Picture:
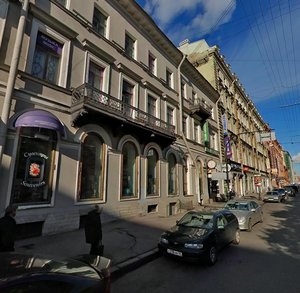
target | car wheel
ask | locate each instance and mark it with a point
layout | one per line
(249, 225)
(237, 237)
(212, 256)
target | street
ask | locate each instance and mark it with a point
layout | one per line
(267, 260)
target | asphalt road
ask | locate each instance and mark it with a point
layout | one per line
(267, 260)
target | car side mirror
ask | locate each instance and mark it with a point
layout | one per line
(253, 210)
(221, 227)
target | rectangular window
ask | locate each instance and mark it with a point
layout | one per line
(184, 125)
(129, 46)
(183, 89)
(170, 115)
(151, 106)
(169, 78)
(196, 132)
(46, 58)
(95, 78)
(152, 63)
(127, 98)
(100, 22)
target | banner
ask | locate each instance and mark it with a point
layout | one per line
(227, 147)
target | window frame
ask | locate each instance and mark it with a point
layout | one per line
(106, 75)
(136, 174)
(133, 41)
(66, 44)
(152, 63)
(105, 15)
(102, 187)
(169, 78)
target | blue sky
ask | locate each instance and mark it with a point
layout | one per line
(260, 41)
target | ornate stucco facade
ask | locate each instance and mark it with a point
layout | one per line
(103, 109)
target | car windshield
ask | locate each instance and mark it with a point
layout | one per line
(241, 206)
(197, 221)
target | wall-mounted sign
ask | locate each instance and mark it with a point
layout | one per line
(227, 147)
(211, 164)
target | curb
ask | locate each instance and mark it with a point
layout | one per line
(131, 264)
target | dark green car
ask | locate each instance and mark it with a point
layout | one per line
(200, 235)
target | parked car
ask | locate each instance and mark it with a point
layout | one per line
(282, 191)
(290, 190)
(273, 196)
(199, 235)
(248, 212)
(32, 273)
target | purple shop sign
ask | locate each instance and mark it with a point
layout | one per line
(48, 43)
(227, 147)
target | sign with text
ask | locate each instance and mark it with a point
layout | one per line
(265, 136)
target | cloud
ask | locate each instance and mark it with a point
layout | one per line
(202, 15)
(296, 158)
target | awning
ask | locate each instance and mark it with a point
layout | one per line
(40, 119)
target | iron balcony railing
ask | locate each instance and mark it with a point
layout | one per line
(200, 107)
(90, 96)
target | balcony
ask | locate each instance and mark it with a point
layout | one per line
(201, 109)
(88, 100)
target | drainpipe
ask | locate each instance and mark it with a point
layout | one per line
(12, 75)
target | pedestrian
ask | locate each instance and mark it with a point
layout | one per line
(93, 231)
(8, 227)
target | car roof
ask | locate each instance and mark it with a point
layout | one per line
(15, 264)
(239, 200)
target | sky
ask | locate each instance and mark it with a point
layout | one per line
(259, 40)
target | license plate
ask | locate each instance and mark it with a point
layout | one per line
(174, 252)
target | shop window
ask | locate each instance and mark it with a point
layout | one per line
(91, 165)
(34, 166)
(129, 171)
(46, 59)
(152, 173)
(172, 174)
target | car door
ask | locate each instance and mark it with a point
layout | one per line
(255, 213)
(221, 231)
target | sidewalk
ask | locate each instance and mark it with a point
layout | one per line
(128, 243)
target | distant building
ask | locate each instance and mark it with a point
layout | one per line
(239, 121)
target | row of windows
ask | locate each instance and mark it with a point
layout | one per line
(33, 179)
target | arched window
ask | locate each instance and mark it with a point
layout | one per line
(129, 170)
(172, 174)
(34, 166)
(91, 179)
(185, 176)
(200, 177)
(152, 172)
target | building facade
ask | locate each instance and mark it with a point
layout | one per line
(244, 155)
(102, 109)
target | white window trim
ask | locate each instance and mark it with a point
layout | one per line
(172, 77)
(3, 15)
(134, 45)
(155, 62)
(63, 69)
(107, 32)
(91, 58)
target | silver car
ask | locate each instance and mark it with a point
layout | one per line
(273, 196)
(248, 212)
